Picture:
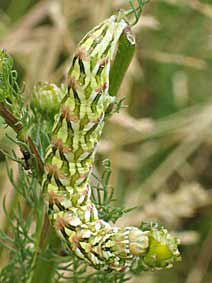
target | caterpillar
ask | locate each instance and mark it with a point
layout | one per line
(69, 158)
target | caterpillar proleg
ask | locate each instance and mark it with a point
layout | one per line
(69, 159)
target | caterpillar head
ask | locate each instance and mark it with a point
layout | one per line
(130, 242)
(138, 242)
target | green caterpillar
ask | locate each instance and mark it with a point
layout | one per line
(70, 157)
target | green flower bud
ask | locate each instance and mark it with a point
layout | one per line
(46, 98)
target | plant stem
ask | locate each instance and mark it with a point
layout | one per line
(10, 119)
(44, 267)
(17, 126)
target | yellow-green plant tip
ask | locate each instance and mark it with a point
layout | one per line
(163, 249)
(6, 65)
(3, 57)
(10, 92)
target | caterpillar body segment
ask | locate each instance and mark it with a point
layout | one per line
(77, 129)
(79, 124)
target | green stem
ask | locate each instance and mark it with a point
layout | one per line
(44, 265)
(10, 211)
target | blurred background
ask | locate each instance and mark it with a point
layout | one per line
(160, 144)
